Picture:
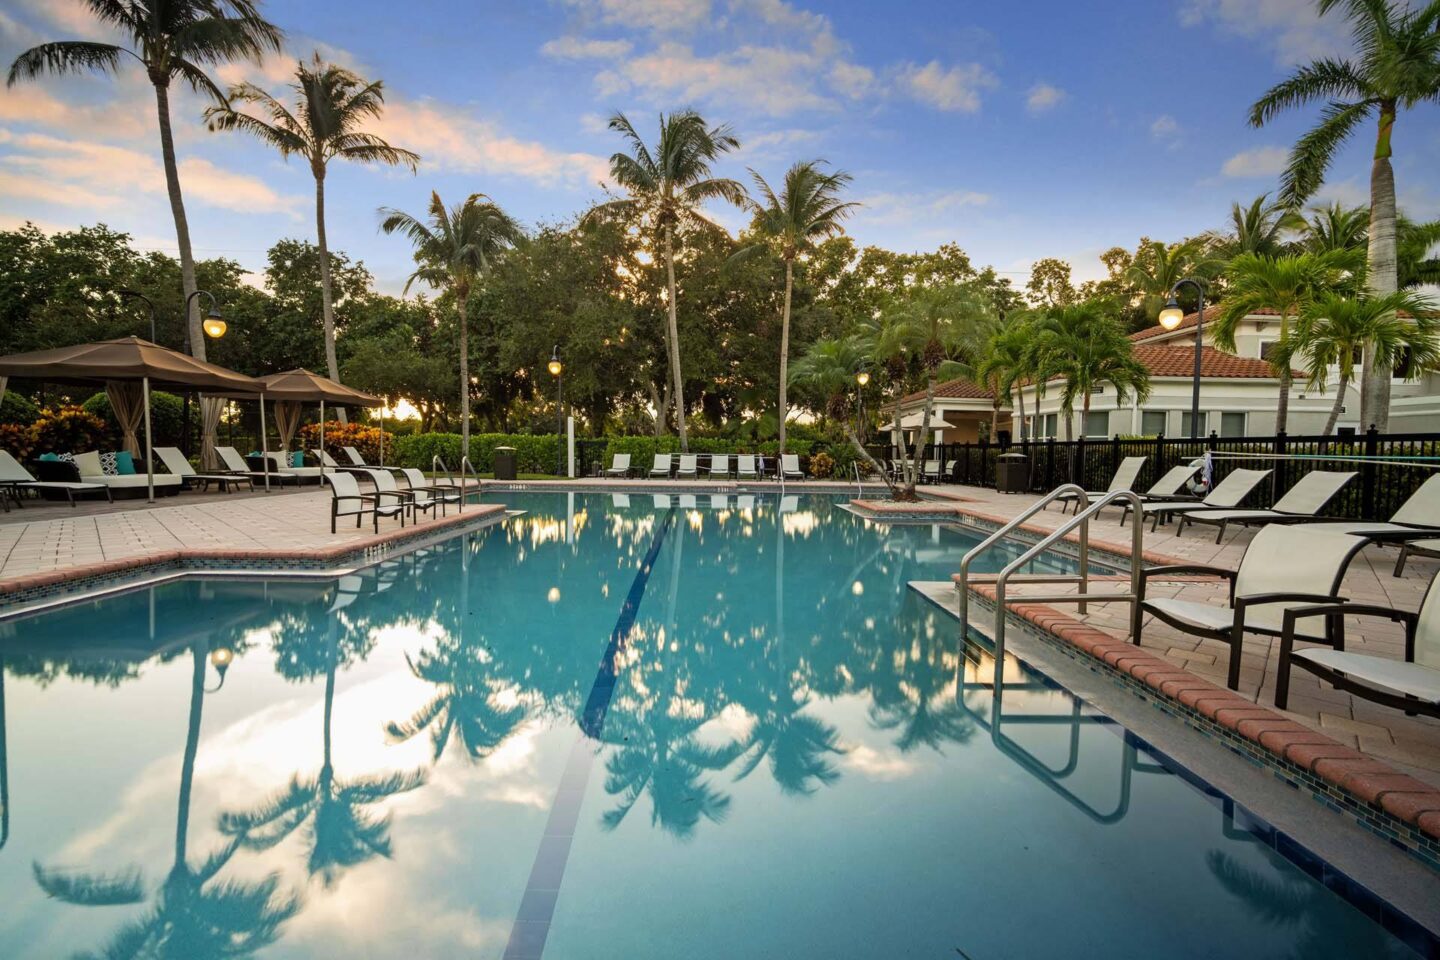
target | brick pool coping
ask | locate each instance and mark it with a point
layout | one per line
(19, 592)
(1394, 805)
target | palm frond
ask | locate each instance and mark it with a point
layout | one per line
(1311, 156)
(1325, 79)
(65, 56)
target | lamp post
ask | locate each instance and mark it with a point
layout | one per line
(214, 326)
(862, 380)
(557, 370)
(148, 302)
(1170, 318)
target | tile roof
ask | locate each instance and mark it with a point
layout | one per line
(1167, 361)
(1212, 313)
(960, 389)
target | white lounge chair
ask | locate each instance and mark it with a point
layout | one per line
(1169, 487)
(689, 466)
(661, 466)
(619, 466)
(384, 482)
(1424, 548)
(1417, 518)
(234, 463)
(745, 468)
(1124, 479)
(135, 484)
(1284, 567)
(1228, 493)
(1411, 685)
(1300, 503)
(176, 463)
(719, 466)
(279, 462)
(346, 490)
(790, 466)
(14, 478)
(930, 472)
(426, 493)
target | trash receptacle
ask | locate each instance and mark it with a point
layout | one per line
(1012, 473)
(504, 463)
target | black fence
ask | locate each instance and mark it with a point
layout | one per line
(1389, 467)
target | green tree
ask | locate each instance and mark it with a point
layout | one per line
(1258, 228)
(1396, 67)
(1085, 347)
(1287, 285)
(1049, 284)
(331, 105)
(826, 375)
(454, 250)
(1157, 267)
(1333, 329)
(1007, 361)
(1336, 227)
(174, 39)
(666, 188)
(807, 209)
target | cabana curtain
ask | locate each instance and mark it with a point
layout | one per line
(210, 410)
(287, 422)
(127, 401)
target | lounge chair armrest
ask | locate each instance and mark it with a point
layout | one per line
(1349, 610)
(1186, 569)
(1255, 599)
(400, 495)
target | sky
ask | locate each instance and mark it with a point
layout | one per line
(1019, 130)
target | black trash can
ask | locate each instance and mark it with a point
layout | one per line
(1012, 473)
(504, 463)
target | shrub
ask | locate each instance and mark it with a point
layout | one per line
(822, 465)
(418, 449)
(167, 418)
(357, 435)
(18, 440)
(18, 409)
(68, 430)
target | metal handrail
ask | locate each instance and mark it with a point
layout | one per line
(466, 467)
(963, 579)
(1082, 520)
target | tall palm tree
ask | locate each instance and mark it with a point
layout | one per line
(1003, 362)
(1286, 285)
(454, 250)
(1258, 227)
(1414, 266)
(1158, 266)
(1396, 66)
(826, 374)
(170, 39)
(666, 188)
(331, 104)
(1085, 348)
(1336, 227)
(1333, 329)
(806, 210)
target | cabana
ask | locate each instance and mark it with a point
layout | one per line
(128, 368)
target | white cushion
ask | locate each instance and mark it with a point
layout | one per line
(1210, 616)
(131, 480)
(1397, 676)
(89, 464)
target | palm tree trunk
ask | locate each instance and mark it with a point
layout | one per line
(182, 226)
(1340, 389)
(1381, 277)
(674, 329)
(1282, 404)
(464, 299)
(192, 746)
(785, 350)
(1024, 430)
(327, 295)
(865, 455)
(912, 470)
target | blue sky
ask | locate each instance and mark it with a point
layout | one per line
(1018, 130)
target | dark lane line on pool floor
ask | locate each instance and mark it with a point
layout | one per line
(542, 890)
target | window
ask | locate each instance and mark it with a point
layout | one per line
(1052, 421)
(1097, 423)
(1152, 423)
(1185, 424)
(1266, 348)
(1403, 365)
(1232, 424)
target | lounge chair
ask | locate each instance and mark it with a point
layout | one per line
(14, 478)
(661, 466)
(689, 466)
(1417, 518)
(235, 464)
(1169, 487)
(90, 468)
(346, 490)
(745, 468)
(1284, 567)
(1411, 685)
(1228, 493)
(790, 467)
(719, 466)
(1124, 479)
(619, 466)
(384, 482)
(1299, 504)
(176, 463)
(1424, 548)
(301, 474)
(930, 472)
(425, 491)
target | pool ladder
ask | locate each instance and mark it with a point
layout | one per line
(1081, 521)
(437, 466)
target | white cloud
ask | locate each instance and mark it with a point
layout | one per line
(909, 208)
(1166, 129)
(1291, 27)
(577, 48)
(1044, 97)
(851, 79)
(957, 88)
(774, 80)
(1260, 162)
(661, 16)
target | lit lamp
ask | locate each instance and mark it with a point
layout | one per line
(863, 378)
(214, 325)
(220, 659)
(1172, 316)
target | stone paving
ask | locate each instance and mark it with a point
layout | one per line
(1411, 744)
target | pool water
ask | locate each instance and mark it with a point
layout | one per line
(610, 727)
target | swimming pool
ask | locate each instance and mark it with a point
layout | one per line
(610, 727)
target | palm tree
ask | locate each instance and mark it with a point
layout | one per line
(465, 704)
(1336, 227)
(454, 250)
(826, 374)
(806, 210)
(1157, 267)
(1286, 285)
(173, 39)
(1396, 67)
(1084, 347)
(1258, 228)
(1333, 329)
(331, 103)
(1006, 361)
(666, 187)
(1414, 266)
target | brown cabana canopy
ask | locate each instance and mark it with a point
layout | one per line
(119, 364)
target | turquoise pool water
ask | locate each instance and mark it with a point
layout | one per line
(604, 729)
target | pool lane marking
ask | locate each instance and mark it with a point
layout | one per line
(542, 890)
